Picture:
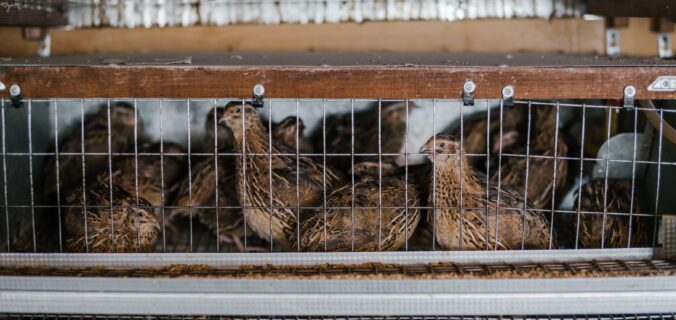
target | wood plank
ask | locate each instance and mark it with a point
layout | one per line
(11, 15)
(418, 82)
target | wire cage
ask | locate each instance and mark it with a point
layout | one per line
(323, 176)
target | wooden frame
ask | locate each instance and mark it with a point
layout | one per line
(343, 79)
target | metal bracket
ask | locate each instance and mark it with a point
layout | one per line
(663, 83)
(15, 96)
(2, 86)
(258, 95)
(664, 45)
(629, 97)
(468, 93)
(612, 42)
(508, 97)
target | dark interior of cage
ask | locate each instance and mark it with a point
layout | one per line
(153, 177)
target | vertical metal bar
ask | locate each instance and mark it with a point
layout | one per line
(633, 178)
(323, 163)
(110, 178)
(525, 185)
(216, 177)
(556, 150)
(659, 167)
(352, 166)
(84, 184)
(497, 205)
(462, 174)
(187, 108)
(138, 223)
(605, 183)
(270, 169)
(298, 185)
(380, 173)
(57, 172)
(244, 148)
(488, 174)
(4, 176)
(162, 195)
(406, 178)
(434, 174)
(579, 190)
(30, 171)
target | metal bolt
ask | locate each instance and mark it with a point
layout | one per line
(630, 91)
(469, 86)
(258, 91)
(14, 91)
(508, 91)
(665, 83)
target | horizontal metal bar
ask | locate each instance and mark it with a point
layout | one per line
(158, 260)
(337, 297)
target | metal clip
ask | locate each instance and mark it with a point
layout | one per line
(508, 97)
(258, 95)
(629, 97)
(15, 96)
(612, 42)
(468, 93)
(664, 45)
(2, 86)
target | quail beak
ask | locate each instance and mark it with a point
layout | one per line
(225, 118)
(426, 149)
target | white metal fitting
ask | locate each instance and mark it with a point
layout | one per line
(629, 96)
(15, 91)
(508, 96)
(258, 91)
(468, 93)
(2, 86)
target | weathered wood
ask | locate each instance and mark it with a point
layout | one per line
(417, 82)
(12, 15)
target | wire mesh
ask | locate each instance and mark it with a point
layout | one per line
(441, 317)
(340, 176)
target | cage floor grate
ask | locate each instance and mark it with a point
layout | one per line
(373, 270)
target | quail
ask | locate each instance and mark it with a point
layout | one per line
(117, 226)
(381, 220)
(339, 130)
(96, 135)
(471, 225)
(614, 231)
(290, 128)
(541, 181)
(271, 210)
(164, 165)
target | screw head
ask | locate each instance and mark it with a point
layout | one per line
(665, 83)
(469, 86)
(630, 91)
(508, 91)
(15, 90)
(258, 90)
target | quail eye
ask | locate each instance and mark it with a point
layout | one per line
(238, 110)
(442, 145)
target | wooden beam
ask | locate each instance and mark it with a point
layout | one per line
(343, 82)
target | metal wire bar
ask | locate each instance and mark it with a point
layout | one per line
(110, 176)
(270, 169)
(605, 184)
(4, 176)
(244, 183)
(380, 174)
(190, 204)
(488, 177)
(434, 175)
(84, 184)
(30, 172)
(138, 223)
(406, 179)
(659, 167)
(297, 180)
(323, 166)
(162, 184)
(497, 205)
(579, 192)
(556, 149)
(216, 177)
(352, 172)
(525, 185)
(633, 180)
(57, 173)
(462, 173)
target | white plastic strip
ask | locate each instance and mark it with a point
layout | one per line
(337, 297)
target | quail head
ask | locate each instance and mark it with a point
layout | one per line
(468, 215)
(290, 129)
(271, 210)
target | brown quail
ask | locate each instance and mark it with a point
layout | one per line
(465, 226)
(615, 231)
(122, 228)
(286, 131)
(253, 176)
